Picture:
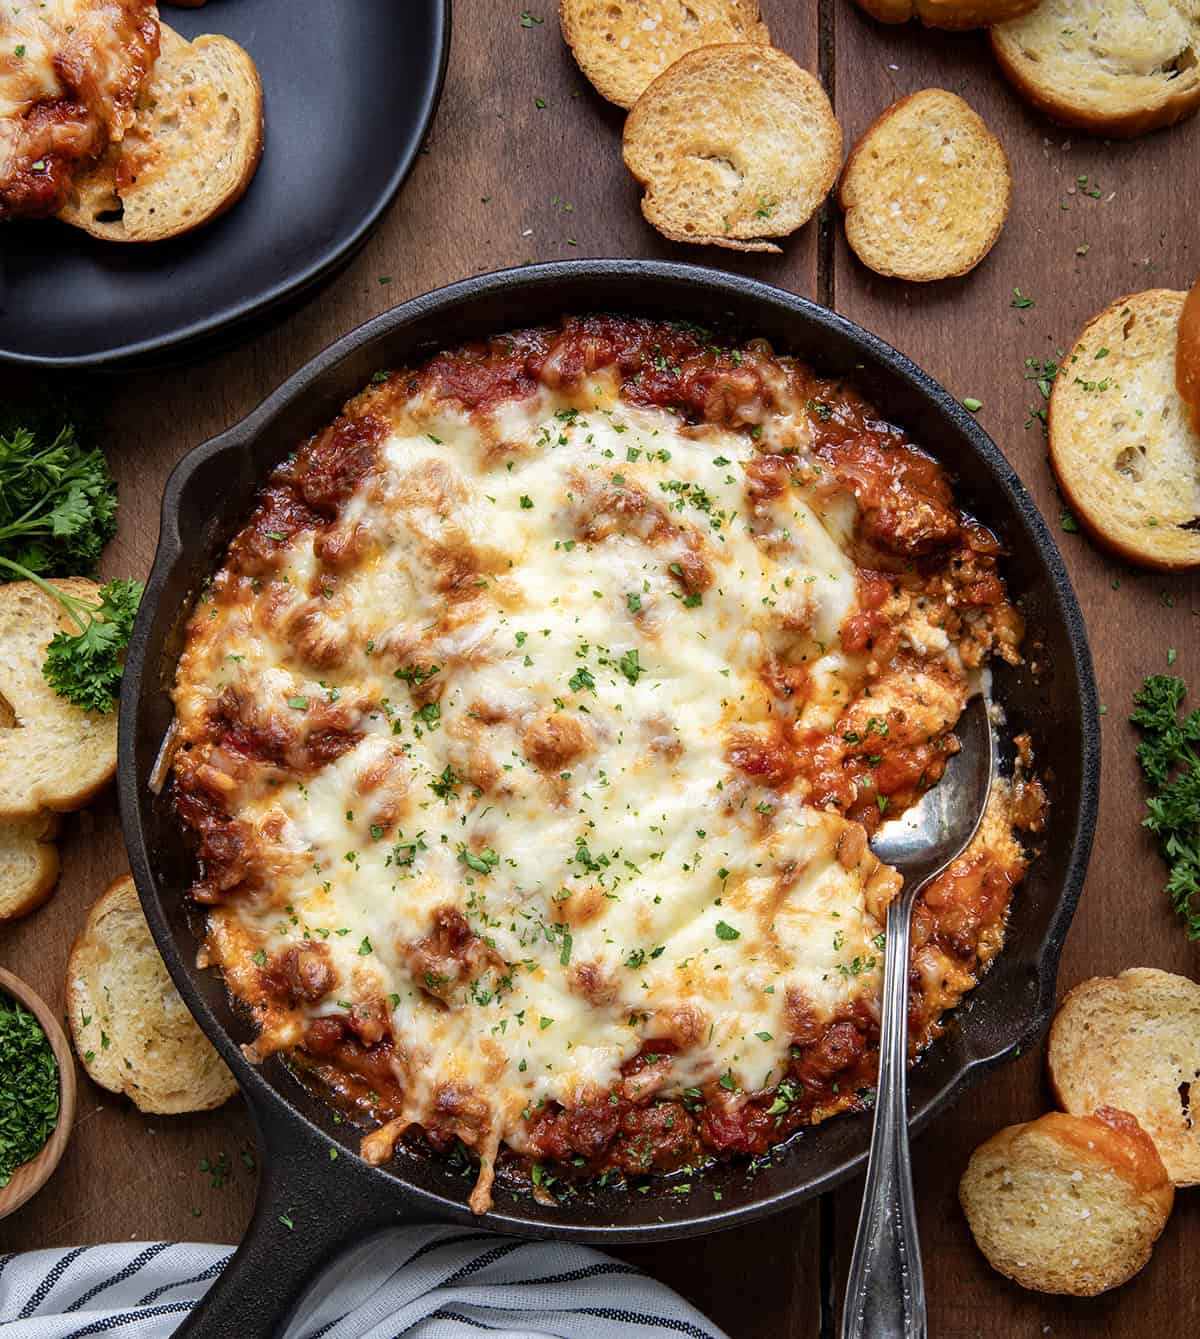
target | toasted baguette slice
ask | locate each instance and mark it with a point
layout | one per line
(926, 189)
(1133, 1041)
(622, 46)
(947, 13)
(1187, 354)
(190, 154)
(28, 864)
(1122, 443)
(1117, 68)
(56, 756)
(132, 1032)
(1067, 1204)
(733, 144)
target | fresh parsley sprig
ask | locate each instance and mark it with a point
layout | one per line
(58, 509)
(86, 666)
(1169, 755)
(58, 503)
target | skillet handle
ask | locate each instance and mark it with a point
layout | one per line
(310, 1208)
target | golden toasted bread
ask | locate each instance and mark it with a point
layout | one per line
(1068, 1204)
(190, 154)
(1133, 1041)
(926, 189)
(947, 13)
(28, 864)
(1117, 68)
(53, 756)
(132, 1032)
(622, 46)
(1122, 442)
(734, 145)
(1187, 354)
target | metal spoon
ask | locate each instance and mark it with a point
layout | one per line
(885, 1295)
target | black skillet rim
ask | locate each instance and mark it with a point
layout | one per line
(268, 1104)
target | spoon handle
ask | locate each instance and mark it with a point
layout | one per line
(885, 1296)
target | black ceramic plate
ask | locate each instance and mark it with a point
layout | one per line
(349, 89)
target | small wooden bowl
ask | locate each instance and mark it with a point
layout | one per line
(31, 1176)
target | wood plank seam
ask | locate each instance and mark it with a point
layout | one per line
(827, 72)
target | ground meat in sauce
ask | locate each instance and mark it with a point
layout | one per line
(912, 544)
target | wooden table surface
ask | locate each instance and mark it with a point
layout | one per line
(506, 180)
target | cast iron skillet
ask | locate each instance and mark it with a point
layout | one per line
(349, 90)
(309, 1204)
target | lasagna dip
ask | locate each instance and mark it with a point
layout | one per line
(70, 73)
(533, 732)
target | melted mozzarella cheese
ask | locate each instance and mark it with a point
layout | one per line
(530, 584)
(39, 40)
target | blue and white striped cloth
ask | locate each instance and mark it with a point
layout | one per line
(417, 1282)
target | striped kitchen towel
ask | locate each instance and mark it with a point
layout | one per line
(416, 1282)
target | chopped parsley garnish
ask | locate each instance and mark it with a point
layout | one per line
(28, 1088)
(365, 947)
(633, 602)
(857, 966)
(483, 863)
(429, 714)
(584, 857)
(785, 1095)
(1169, 755)
(630, 666)
(526, 502)
(417, 674)
(298, 703)
(726, 931)
(1020, 300)
(444, 786)
(1042, 372)
(405, 852)
(582, 679)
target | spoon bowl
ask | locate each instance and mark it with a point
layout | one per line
(930, 834)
